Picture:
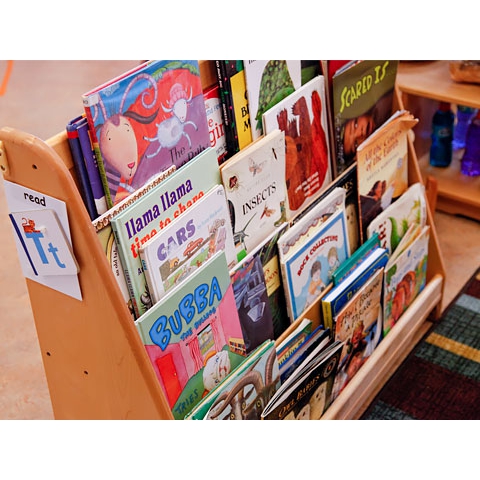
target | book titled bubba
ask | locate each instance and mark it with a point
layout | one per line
(135, 225)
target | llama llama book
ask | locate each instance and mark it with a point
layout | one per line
(256, 192)
(269, 81)
(144, 121)
(382, 166)
(193, 336)
(180, 248)
(307, 271)
(359, 326)
(148, 214)
(362, 92)
(302, 116)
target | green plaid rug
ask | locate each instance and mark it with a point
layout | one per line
(440, 379)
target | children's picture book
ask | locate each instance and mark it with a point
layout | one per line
(405, 278)
(307, 271)
(394, 221)
(233, 94)
(193, 336)
(306, 394)
(302, 116)
(216, 126)
(292, 341)
(31, 236)
(183, 245)
(80, 168)
(362, 92)
(146, 215)
(338, 296)
(359, 326)
(144, 121)
(248, 389)
(256, 192)
(251, 297)
(269, 81)
(382, 166)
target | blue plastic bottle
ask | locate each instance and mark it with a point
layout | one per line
(470, 164)
(464, 117)
(442, 136)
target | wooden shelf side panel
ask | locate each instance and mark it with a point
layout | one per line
(95, 364)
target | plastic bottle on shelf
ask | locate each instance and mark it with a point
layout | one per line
(442, 136)
(470, 164)
(464, 117)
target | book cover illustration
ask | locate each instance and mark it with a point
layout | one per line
(193, 336)
(362, 101)
(308, 224)
(394, 221)
(359, 326)
(306, 394)
(182, 246)
(253, 306)
(256, 191)
(216, 126)
(307, 272)
(339, 295)
(23, 199)
(269, 81)
(293, 341)
(302, 116)
(145, 121)
(249, 388)
(382, 166)
(405, 278)
(147, 214)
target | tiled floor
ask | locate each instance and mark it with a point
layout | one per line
(40, 98)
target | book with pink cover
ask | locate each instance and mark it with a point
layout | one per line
(193, 336)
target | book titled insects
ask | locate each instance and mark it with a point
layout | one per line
(254, 180)
(193, 336)
(144, 121)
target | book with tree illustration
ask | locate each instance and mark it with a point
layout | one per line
(306, 394)
(405, 276)
(359, 326)
(216, 125)
(392, 224)
(193, 335)
(148, 214)
(382, 166)
(269, 81)
(233, 95)
(339, 295)
(362, 100)
(183, 245)
(302, 116)
(256, 191)
(307, 270)
(144, 121)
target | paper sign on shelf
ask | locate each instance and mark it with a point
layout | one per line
(43, 240)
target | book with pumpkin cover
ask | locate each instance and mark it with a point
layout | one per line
(382, 166)
(148, 214)
(359, 326)
(302, 116)
(182, 246)
(193, 335)
(362, 100)
(144, 121)
(270, 81)
(256, 192)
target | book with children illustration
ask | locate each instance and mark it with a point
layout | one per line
(144, 121)
(193, 335)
